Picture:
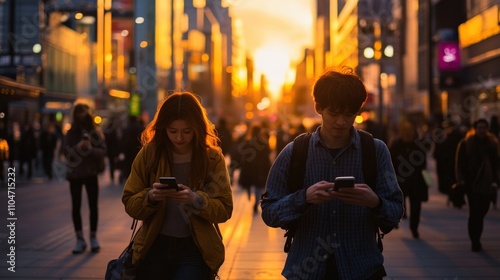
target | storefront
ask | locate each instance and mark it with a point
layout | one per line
(480, 43)
(19, 102)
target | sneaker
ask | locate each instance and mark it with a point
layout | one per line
(80, 246)
(94, 245)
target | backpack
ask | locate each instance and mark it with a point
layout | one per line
(297, 170)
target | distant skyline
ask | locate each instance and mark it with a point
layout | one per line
(276, 32)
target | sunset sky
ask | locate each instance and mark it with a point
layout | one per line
(276, 33)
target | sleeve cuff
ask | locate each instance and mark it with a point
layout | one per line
(151, 202)
(379, 205)
(300, 200)
(199, 202)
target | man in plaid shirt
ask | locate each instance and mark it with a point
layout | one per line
(336, 236)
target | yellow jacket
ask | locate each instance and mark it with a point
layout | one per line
(217, 206)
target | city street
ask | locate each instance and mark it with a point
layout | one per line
(44, 238)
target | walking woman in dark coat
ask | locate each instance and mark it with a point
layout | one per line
(84, 149)
(409, 160)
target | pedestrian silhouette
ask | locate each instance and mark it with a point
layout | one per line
(225, 135)
(444, 155)
(27, 150)
(130, 145)
(84, 149)
(255, 162)
(409, 160)
(48, 143)
(4, 150)
(111, 134)
(477, 170)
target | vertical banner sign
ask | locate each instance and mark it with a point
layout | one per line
(135, 105)
(449, 56)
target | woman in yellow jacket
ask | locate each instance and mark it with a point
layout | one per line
(179, 237)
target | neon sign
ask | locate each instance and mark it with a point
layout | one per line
(449, 56)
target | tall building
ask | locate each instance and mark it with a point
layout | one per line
(21, 80)
(479, 43)
(183, 45)
(45, 57)
(322, 35)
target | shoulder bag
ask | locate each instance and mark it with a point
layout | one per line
(122, 267)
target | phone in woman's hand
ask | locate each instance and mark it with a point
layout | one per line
(170, 182)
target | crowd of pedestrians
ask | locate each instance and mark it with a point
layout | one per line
(35, 150)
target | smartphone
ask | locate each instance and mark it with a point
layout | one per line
(344, 182)
(170, 182)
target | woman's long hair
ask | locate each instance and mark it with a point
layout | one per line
(181, 106)
(83, 118)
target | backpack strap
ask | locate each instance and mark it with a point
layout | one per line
(369, 161)
(296, 175)
(297, 167)
(369, 164)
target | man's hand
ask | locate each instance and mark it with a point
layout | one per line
(319, 192)
(361, 194)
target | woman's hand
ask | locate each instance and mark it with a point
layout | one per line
(84, 145)
(184, 196)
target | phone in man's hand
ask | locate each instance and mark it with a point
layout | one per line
(344, 182)
(170, 183)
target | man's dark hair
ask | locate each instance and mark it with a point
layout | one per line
(339, 91)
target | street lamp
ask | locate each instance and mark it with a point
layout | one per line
(378, 53)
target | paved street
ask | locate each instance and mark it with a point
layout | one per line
(44, 239)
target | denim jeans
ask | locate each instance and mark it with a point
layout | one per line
(172, 258)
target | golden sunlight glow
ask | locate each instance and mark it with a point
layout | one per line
(273, 61)
(290, 78)
(264, 104)
(277, 41)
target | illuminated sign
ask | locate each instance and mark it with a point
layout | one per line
(480, 27)
(135, 105)
(448, 56)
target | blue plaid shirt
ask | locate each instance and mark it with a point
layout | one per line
(347, 231)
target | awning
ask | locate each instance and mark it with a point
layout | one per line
(53, 102)
(13, 90)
